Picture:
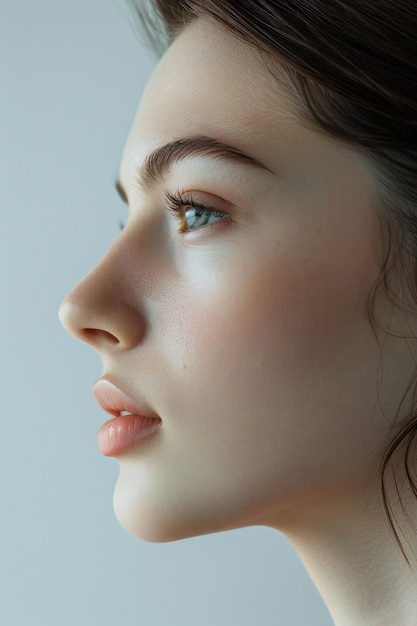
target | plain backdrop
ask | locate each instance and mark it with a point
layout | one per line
(71, 75)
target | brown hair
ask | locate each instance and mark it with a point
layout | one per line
(349, 68)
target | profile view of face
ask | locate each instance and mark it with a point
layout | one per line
(238, 319)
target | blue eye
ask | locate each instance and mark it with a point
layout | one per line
(196, 217)
(193, 215)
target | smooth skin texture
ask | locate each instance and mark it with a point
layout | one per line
(248, 336)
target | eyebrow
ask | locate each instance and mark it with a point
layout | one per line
(158, 163)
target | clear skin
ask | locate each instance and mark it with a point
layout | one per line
(249, 337)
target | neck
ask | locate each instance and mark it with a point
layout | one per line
(352, 557)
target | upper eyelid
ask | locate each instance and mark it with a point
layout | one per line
(211, 200)
(179, 201)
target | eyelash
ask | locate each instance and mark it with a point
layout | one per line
(177, 204)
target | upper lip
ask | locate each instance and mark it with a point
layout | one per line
(113, 400)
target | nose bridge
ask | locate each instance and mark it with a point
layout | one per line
(106, 309)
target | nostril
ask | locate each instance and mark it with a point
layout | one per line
(94, 335)
(101, 320)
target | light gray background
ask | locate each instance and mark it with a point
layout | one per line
(71, 75)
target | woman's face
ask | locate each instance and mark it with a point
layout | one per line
(244, 329)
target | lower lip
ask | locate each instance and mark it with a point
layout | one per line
(120, 434)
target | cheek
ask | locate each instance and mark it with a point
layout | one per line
(286, 337)
(306, 297)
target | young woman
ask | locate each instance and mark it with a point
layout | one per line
(256, 318)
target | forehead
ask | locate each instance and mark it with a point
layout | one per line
(209, 82)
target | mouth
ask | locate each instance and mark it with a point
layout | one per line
(132, 421)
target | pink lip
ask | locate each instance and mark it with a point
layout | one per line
(122, 432)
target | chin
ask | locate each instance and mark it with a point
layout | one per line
(146, 525)
(153, 517)
(163, 515)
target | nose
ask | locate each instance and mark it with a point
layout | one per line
(105, 309)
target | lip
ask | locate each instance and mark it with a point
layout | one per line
(121, 433)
